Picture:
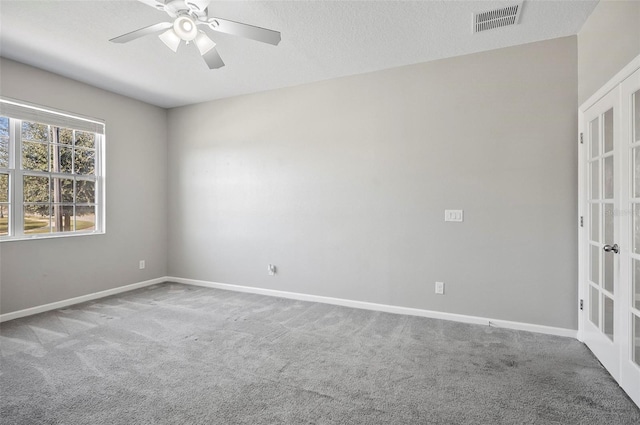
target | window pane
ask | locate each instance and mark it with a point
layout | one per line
(62, 219)
(85, 192)
(61, 159)
(62, 135)
(35, 156)
(4, 187)
(4, 219)
(4, 126)
(85, 161)
(85, 140)
(595, 138)
(36, 189)
(53, 173)
(4, 152)
(36, 218)
(608, 130)
(35, 131)
(85, 218)
(61, 190)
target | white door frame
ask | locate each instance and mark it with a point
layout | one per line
(583, 252)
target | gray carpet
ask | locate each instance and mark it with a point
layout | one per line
(176, 354)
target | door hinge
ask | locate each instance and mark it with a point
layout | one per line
(581, 138)
(581, 305)
(581, 221)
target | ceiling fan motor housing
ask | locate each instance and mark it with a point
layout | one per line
(176, 8)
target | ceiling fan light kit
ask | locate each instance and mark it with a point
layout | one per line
(190, 14)
(171, 39)
(185, 27)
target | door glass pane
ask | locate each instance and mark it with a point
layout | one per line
(636, 114)
(595, 222)
(595, 264)
(608, 223)
(595, 139)
(636, 173)
(636, 284)
(594, 310)
(607, 316)
(636, 338)
(608, 177)
(636, 228)
(608, 258)
(608, 130)
(595, 177)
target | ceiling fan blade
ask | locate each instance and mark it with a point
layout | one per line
(156, 4)
(243, 30)
(199, 5)
(151, 29)
(213, 59)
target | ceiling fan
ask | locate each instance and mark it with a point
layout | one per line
(189, 16)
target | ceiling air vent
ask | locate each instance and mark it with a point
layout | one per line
(497, 18)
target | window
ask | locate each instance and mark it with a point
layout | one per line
(51, 179)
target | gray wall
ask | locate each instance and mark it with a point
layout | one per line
(37, 272)
(343, 185)
(609, 40)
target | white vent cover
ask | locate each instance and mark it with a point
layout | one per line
(497, 18)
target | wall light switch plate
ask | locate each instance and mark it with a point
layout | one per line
(440, 288)
(453, 215)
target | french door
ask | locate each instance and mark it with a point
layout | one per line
(610, 232)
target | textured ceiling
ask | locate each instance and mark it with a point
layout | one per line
(320, 40)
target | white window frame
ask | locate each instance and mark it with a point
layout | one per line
(15, 110)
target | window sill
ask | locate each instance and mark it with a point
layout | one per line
(48, 236)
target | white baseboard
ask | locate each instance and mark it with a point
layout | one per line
(78, 300)
(549, 330)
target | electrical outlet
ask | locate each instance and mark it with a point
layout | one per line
(271, 269)
(440, 288)
(142, 265)
(454, 215)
